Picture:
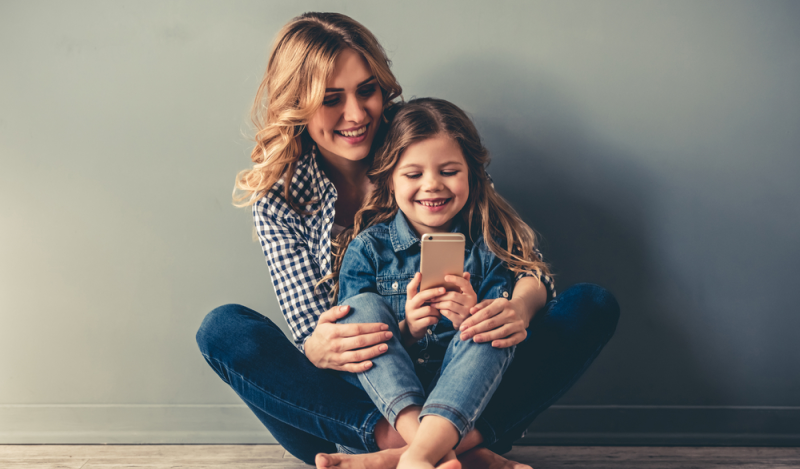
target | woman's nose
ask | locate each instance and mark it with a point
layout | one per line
(353, 110)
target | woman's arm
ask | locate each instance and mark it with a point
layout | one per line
(309, 314)
(504, 322)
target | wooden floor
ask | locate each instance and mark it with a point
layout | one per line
(273, 456)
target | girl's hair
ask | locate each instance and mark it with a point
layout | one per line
(300, 63)
(485, 212)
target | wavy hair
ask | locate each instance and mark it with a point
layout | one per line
(293, 88)
(485, 212)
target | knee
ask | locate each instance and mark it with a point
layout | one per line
(226, 327)
(368, 307)
(590, 307)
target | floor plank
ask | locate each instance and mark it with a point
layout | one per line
(275, 457)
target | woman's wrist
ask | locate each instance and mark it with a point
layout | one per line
(528, 297)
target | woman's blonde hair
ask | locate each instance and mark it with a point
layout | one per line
(485, 212)
(300, 63)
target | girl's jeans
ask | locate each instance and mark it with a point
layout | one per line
(309, 410)
(465, 379)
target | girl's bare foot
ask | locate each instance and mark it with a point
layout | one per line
(483, 458)
(386, 459)
(413, 463)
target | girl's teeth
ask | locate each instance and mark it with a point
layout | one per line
(431, 204)
(354, 133)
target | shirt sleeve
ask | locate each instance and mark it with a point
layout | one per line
(358, 271)
(547, 280)
(293, 269)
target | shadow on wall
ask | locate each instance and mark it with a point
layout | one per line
(591, 203)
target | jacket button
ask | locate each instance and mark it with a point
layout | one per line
(505, 294)
(419, 360)
(430, 331)
(395, 285)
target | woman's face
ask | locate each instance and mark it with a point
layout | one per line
(431, 184)
(345, 125)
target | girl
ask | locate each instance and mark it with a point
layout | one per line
(319, 113)
(429, 178)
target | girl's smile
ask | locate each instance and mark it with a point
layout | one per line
(431, 183)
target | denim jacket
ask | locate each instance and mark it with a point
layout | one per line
(385, 257)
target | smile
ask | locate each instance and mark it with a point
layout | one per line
(433, 202)
(352, 133)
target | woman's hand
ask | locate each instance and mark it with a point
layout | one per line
(345, 347)
(501, 321)
(419, 317)
(456, 306)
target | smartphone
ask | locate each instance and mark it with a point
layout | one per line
(442, 254)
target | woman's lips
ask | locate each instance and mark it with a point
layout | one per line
(354, 136)
(434, 205)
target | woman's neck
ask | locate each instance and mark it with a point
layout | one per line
(351, 182)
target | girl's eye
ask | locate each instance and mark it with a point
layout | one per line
(332, 101)
(449, 173)
(413, 175)
(367, 91)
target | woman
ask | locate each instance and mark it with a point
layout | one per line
(319, 112)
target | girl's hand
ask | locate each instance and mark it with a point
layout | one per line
(501, 322)
(456, 306)
(419, 317)
(345, 347)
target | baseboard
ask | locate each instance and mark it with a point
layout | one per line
(131, 424)
(666, 426)
(559, 425)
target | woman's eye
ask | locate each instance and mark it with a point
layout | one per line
(367, 91)
(333, 101)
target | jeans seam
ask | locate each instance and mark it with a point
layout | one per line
(356, 429)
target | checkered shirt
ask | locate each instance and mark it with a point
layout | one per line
(298, 246)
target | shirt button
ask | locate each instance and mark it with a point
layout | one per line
(327, 219)
(420, 360)
(395, 285)
(324, 261)
(505, 294)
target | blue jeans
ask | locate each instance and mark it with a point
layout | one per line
(469, 374)
(309, 410)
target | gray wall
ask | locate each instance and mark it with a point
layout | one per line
(653, 145)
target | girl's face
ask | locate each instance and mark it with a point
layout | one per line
(345, 125)
(431, 184)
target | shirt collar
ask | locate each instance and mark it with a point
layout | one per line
(321, 181)
(403, 236)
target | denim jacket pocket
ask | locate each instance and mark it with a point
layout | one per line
(393, 288)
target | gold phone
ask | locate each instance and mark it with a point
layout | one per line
(442, 254)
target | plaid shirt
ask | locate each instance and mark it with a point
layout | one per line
(298, 247)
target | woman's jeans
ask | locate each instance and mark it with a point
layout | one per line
(309, 410)
(466, 378)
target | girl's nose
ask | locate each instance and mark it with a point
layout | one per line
(431, 183)
(353, 110)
